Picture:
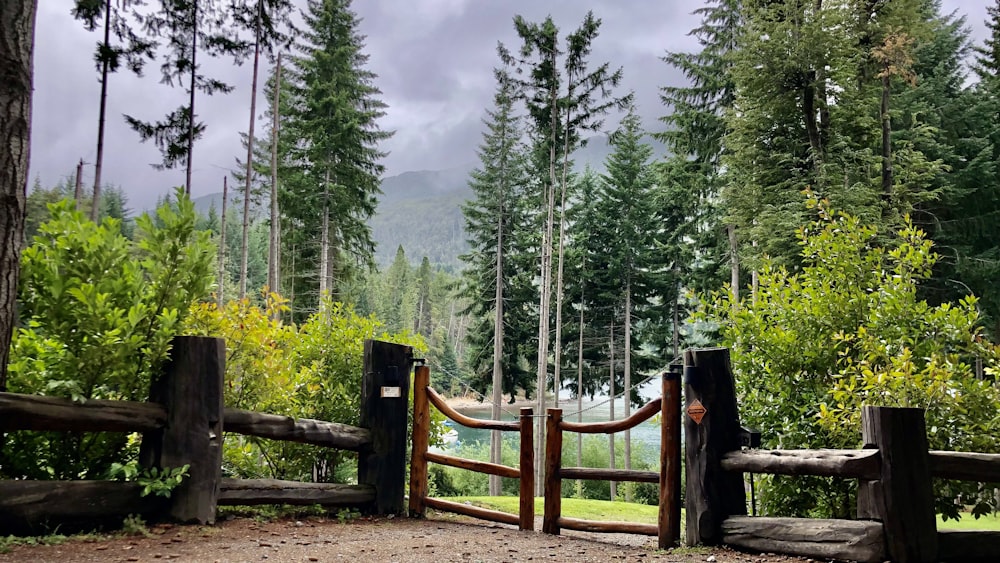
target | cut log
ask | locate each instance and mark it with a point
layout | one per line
(273, 491)
(39, 507)
(858, 464)
(956, 546)
(596, 474)
(852, 540)
(474, 511)
(34, 412)
(608, 527)
(301, 430)
(473, 465)
(963, 466)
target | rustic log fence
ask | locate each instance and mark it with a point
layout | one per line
(894, 469)
(423, 397)
(183, 424)
(667, 528)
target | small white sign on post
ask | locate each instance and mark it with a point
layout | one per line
(390, 393)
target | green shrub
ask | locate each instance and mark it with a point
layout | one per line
(97, 315)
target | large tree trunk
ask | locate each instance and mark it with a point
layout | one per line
(194, 74)
(245, 252)
(273, 258)
(496, 439)
(17, 29)
(611, 407)
(222, 243)
(628, 379)
(579, 398)
(101, 117)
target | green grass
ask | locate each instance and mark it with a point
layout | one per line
(986, 522)
(574, 508)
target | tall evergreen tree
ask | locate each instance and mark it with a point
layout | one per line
(334, 117)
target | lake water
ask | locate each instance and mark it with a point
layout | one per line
(647, 434)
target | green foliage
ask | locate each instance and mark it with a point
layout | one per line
(98, 313)
(159, 482)
(308, 371)
(810, 348)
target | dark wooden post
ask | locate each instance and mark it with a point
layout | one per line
(421, 439)
(385, 390)
(903, 498)
(553, 464)
(526, 512)
(711, 429)
(191, 391)
(670, 460)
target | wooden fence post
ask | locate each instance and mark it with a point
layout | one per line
(526, 511)
(385, 392)
(902, 499)
(670, 460)
(191, 391)
(711, 429)
(553, 464)
(421, 440)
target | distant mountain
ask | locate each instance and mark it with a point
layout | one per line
(421, 210)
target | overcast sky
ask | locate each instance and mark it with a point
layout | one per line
(434, 61)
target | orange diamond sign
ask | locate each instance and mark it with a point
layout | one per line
(696, 411)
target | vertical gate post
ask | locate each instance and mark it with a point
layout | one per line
(553, 464)
(421, 440)
(669, 519)
(902, 499)
(711, 429)
(385, 391)
(190, 389)
(526, 512)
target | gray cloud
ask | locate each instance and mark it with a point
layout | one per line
(434, 59)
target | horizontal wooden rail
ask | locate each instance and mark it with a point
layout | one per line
(468, 421)
(302, 430)
(473, 465)
(608, 527)
(968, 545)
(41, 506)
(474, 511)
(34, 412)
(853, 540)
(273, 491)
(964, 466)
(638, 417)
(595, 474)
(860, 464)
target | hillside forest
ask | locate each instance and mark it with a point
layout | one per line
(821, 195)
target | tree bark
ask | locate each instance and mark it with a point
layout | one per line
(273, 258)
(496, 438)
(194, 74)
(734, 266)
(628, 379)
(886, 141)
(17, 27)
(324, 244)
(101, 118)
(245, 256)
(611, 407)
(78, 189)
(222, 242)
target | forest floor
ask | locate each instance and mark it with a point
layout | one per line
(439, 539)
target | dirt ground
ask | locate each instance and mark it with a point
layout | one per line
(441, 538)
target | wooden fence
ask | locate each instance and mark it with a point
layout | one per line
(423, 397)
(184, 424)
(894, 470)
(667, 528)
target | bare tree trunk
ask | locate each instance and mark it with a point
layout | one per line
(78, 190)
(496, 440)
(17, 28)
(557, 367)
(677, 321)
(628, 380)
(734, 266)
(222, 242)
(611, 413)
(886, 141)
(579, 399)
(245, 252)
(101, 118)
(324, 244)
(194, 73)
(273, 263)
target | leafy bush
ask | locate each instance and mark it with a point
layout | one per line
(811, 347)
(98, 312)
(308, 371)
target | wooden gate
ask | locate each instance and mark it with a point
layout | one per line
(667, 528)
